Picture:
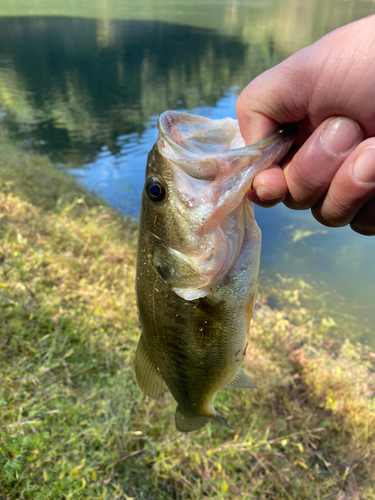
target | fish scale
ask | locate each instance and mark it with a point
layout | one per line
(195, 297)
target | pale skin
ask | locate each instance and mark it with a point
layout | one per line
(328, 88)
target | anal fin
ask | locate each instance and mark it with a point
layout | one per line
(149, 379)
(241, 381)
(187, 423)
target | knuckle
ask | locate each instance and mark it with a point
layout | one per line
(241, 102)
(364, 221)
(317, 214)
(337, 209)
(303, 194)
(361, 229)
(290, 202)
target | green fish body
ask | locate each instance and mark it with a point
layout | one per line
(198, 261)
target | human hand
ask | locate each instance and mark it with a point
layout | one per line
(328, 88)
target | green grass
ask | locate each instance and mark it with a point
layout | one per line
(36, 180)
(74, 425)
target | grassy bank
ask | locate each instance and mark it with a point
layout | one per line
(73, 424)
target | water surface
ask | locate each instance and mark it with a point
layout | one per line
(83, 83)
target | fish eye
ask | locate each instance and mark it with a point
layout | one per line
(155, 190)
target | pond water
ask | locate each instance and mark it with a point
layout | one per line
(83, 83)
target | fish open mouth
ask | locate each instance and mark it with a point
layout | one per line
(212, 170)
(200, 145)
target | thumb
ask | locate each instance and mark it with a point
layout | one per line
(279, 95)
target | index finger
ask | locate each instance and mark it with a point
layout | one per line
(279, 95)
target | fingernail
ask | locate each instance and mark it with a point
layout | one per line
(267, 195)
(364, 167)
(340, 136)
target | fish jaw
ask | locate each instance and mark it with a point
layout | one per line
(210, 180)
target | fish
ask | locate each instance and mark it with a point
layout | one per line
(198, 261)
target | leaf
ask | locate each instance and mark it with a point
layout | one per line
(302, 464)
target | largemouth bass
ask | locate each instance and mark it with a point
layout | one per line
(198, 260)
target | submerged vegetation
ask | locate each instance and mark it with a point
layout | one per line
(73, 423)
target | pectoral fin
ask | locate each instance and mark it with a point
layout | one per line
(175, 268)
(249, 311)
(148, 378)
(241, 381)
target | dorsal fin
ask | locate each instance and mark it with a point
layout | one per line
(148, 378)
